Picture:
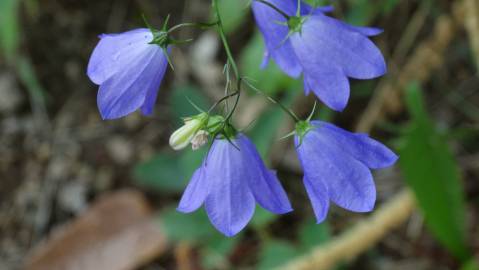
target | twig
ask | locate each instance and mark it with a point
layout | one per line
(361, 237)
(426, 58)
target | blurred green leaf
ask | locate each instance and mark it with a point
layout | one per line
(312, 234)
(389, 5)
(430, 170)
(29, 77)
(363, 12)
(262, 217)
(265, 128)
(276, 253)
(9, 28)
(169, 172)
(192, 227)
(472, 264)
(271, 79)
(196, 228)
(180, 105)
(317, 3)
(214, 253)
(233, 13)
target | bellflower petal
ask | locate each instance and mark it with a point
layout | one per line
(269, 23)
(328, 84)
(195, 193)
(328, 39)
(229, 204)
(129, 71)
(327, 51)
(267, 190)
(318, 195)
(369, 151)
(115, 51)
(230, 181)
(337, 165)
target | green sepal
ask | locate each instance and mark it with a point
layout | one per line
(295, 24)
(302, 128)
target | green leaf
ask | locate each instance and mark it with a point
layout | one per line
(472, 264)
(9, 28)
(312, 234)
(180, 105)
(196, 228)
(265, 129)
(233, 13)
(276, 253)
(430, 170)
(29, 78)
(169, 172)
(193, 227)
(214, 253)
(361, 12)
(271, 79)
(262, 218)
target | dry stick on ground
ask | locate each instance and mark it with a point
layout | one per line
(426, 58)
(362, 237)
(391, 215)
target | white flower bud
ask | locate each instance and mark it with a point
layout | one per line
(183, 136)
(200, 139)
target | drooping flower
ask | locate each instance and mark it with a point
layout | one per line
(325, 50)
(337, 166)
(230, 181)
(129, 71)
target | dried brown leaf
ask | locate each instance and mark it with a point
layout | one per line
(116, 233)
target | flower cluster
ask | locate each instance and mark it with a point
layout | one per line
(302, 40)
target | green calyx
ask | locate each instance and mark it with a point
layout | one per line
(229, 132)
(218, 125)
(295, 24)
(161, 39)
(302, 128)
(215, 124)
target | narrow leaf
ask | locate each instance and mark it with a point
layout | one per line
(431, 171)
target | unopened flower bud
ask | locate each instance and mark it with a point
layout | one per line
(200, 139)
(183, 136)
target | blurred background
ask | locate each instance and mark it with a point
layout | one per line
(77, 192)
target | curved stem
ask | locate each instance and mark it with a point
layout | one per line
(286, 16)
(221, 100)
(222, 34)
(229, 55)
(234, 66)
(193, 24)
(274, 101)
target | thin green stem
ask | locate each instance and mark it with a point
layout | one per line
(229, 55)
(274, 101)
(193, 24)
(224, 39)
(286, 16)
(234, 67)
(221, 100)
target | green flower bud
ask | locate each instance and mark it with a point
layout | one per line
(183, 136)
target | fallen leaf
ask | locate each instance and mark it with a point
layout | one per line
(116, 233)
